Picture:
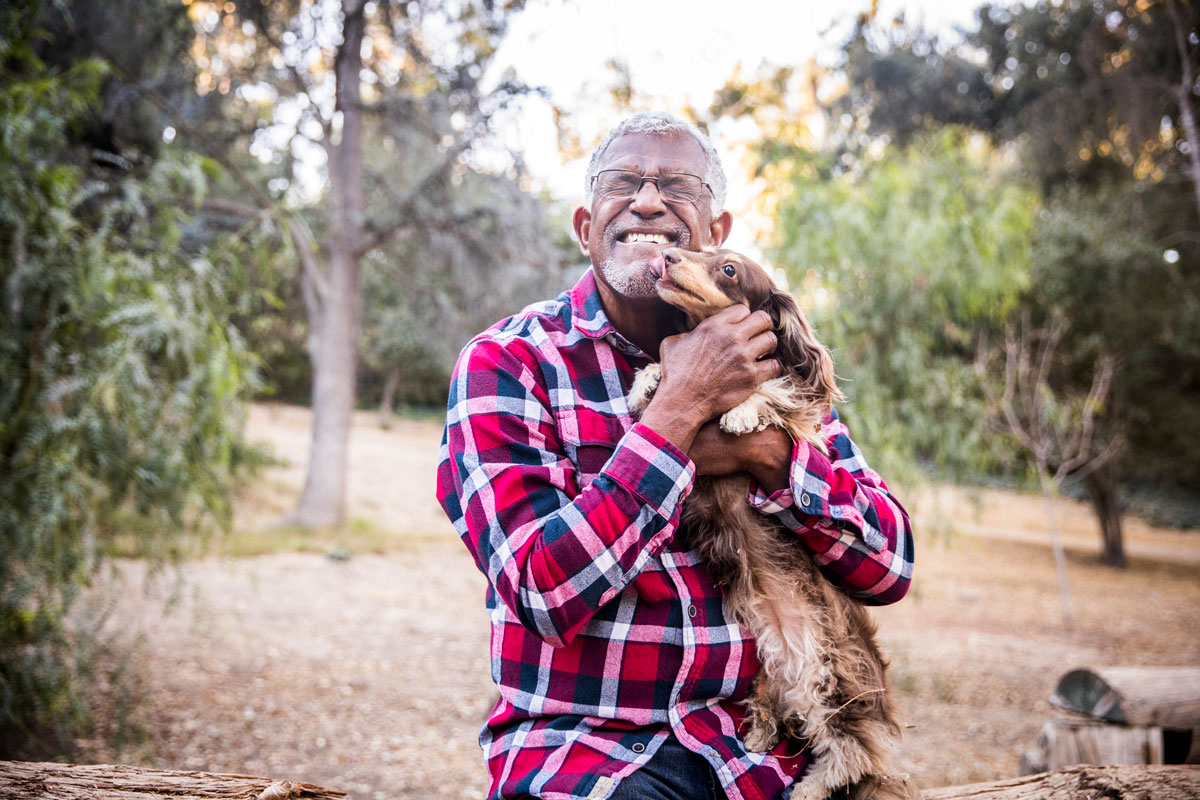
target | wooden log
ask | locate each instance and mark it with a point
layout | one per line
(1165, 696)
(1084, 783)
(1065, 742)
(31, 780)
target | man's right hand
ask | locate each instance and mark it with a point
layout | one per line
(710, 370)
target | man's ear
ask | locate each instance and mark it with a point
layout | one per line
(718, 229)
(582, 222)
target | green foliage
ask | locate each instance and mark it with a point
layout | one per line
(1092, 97)
(426, 296)
(455, 243)
(120, 406)
(1095, 262)
(915, 255)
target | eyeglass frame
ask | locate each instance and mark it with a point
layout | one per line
(655, 178)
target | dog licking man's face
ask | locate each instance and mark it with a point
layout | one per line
(622, 236)
(702, 283)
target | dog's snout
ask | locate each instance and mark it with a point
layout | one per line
(672, 256)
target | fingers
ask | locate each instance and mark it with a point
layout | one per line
(766, 369)
(746, 322)
(763, 344)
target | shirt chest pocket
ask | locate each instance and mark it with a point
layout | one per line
(589, 458)
(590, 438)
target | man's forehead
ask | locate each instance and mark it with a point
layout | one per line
(671, 151)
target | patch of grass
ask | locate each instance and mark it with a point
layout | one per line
(943, 687)
(903, 679)
(359, 535)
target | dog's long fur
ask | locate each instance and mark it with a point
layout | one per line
(823, 679)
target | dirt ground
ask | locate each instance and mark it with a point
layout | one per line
(367, 671)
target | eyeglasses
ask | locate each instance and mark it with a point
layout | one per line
(622, 184)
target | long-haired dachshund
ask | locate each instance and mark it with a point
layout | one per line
(822, 680)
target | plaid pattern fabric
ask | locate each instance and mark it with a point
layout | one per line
(607, 636)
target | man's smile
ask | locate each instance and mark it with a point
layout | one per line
(653, 238)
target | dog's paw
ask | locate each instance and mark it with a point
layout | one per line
(762, 736)
(741, 420)
(808, 789)
(645, 384)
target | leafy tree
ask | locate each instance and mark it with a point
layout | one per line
(1094, 262)
(1097, 101)
(1057, 431)
(308, 85)
(470, 275)
(903, 262)
(120, 412)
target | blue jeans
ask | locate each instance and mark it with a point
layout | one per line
(676, 773)
(673, 773)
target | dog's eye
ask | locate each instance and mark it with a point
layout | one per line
(729, 270)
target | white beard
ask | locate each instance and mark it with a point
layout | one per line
(630, 279)
(634, 279)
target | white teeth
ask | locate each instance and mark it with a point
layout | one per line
(655, 238)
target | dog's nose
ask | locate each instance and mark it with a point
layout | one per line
(672, 256)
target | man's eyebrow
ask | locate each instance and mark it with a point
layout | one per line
(634, 166)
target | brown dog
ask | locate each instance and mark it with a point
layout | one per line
(823, 676)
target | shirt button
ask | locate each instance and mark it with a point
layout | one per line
(638, 747)
(805, 500)
(692, 612)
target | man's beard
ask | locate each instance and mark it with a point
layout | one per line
(629, 279)
(633, 279)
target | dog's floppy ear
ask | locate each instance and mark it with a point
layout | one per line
(802, 356)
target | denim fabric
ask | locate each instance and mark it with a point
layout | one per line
(674, 773)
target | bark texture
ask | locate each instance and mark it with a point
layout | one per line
(338, 317)
(28, 780)
(1102, 487)
(47, 781)
(1085, 783)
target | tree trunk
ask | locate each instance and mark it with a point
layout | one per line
(1186, 87)
(1060, 558)
(1084, 783)
(388, 399)
(28, 780)
(335, 347)
(1102, 486)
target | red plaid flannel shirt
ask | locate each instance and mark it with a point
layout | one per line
(607, 636)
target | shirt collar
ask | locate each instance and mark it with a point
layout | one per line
(589, 318)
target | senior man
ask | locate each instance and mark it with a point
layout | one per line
(620, 676)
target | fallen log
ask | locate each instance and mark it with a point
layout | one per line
(1168, 697)
(1084, 783)
(32, 780)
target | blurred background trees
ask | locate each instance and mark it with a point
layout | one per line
(307, 86)
(189, 201)
(309, 200)
(1044, 164)
(120, 415)
(1094, 101)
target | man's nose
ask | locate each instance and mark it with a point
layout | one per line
(648, 202)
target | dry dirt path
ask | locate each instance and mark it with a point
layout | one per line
(370, 674)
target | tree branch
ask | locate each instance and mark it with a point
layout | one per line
(1186, 85)
(380, 236)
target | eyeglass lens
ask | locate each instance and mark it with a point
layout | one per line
(625, 183)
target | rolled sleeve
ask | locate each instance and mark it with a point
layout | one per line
(842, 510)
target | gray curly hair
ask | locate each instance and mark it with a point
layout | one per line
(662, 123)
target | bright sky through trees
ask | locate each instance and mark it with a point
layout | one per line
(677, 52)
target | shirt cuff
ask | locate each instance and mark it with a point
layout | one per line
(652, 468)
(805, 505)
